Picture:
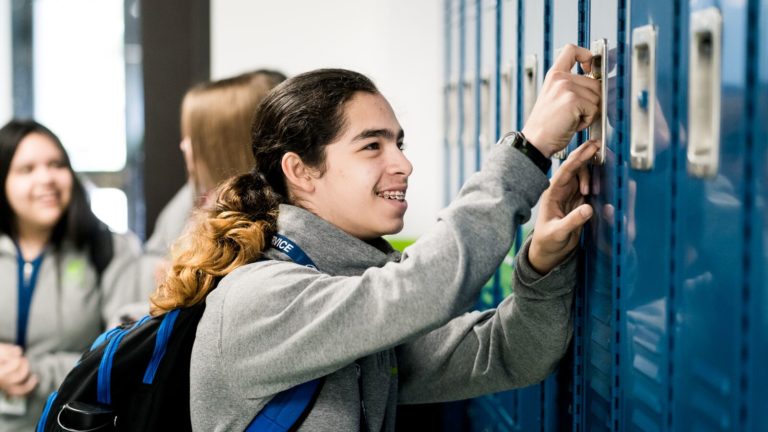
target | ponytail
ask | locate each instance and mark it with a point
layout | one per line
(234, 233)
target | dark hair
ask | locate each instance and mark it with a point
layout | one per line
(302, 115)
(78, 224)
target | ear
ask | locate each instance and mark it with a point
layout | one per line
(298, 176)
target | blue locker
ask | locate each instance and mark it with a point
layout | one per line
(507, 66)
(601, 331)
(455, 98)
(449, 121)
(487, 78)
(470, 93)
(758, 408)
(565, 30)
(508, 54)
(646, 264)
(562, 18)
(578, 367)
(528, 406)
(757, 141)
(711, 288)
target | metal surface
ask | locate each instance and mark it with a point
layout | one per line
(643, 97)
(704, 101)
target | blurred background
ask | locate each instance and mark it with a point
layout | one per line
(108, 77)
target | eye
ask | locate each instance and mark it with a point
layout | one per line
(401, 145)
(57, 164)
(24, 169)
(372, 146)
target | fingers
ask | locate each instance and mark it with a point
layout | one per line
(584, 180)
(13, 372)
(569, 55)
(572, 166)
(9, 351)
(586, 88)
(23, 388)
(588, 83)
(573, 221)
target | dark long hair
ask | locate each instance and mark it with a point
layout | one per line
(77, 224)
(302, 115)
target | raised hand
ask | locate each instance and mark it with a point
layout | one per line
(567, 103)
(562, 211)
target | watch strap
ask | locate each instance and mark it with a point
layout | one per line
(521, 143)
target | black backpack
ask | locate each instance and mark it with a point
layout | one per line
(136, 378)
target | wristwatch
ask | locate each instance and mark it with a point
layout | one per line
(518, 141)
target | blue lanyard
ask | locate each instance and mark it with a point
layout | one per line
(294, 252)
(28, 272)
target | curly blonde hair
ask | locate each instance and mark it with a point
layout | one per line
(235, 232)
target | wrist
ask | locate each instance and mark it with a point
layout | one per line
(519, 141)
(534, 259)
(535, 139)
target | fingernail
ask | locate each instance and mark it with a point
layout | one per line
(586, 212)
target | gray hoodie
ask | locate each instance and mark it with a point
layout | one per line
(397, 321)
(69, 309)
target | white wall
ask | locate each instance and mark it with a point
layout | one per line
(6, 98)
(397, 43)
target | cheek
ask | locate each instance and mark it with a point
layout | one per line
(16, 189)
(64, 182)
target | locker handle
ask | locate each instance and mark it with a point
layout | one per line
(704, 81)
(643, 99)
(453, 113)
(530, 88)
(599, 72)
(485, 113)
(469, 138)
(506, 99)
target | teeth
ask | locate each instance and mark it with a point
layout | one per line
(393, 195)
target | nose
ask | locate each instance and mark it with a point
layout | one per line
(45, 174)
(399, 164)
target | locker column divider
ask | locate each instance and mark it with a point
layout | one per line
(675, 144)
(750, 213)
(580, 299)
(619, 218)
(446, 103)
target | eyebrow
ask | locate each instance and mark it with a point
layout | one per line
(378, 133)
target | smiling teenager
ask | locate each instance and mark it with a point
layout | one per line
(64, 273)
(329, 299)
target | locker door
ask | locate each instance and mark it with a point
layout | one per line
(487, 79)
(508, 43)
(758, 405)
(469, 104)
(578, 387)
(508, 66)
(505, 404)
(603, 236)
(709, 343)
(565, 30)
(449, 121)
(646, 265)
(527, 403)
(455, 97)
(558, 389)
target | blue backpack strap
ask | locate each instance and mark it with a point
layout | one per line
(46, 412)
(104, 377)
(287, 408)
(161, 343)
